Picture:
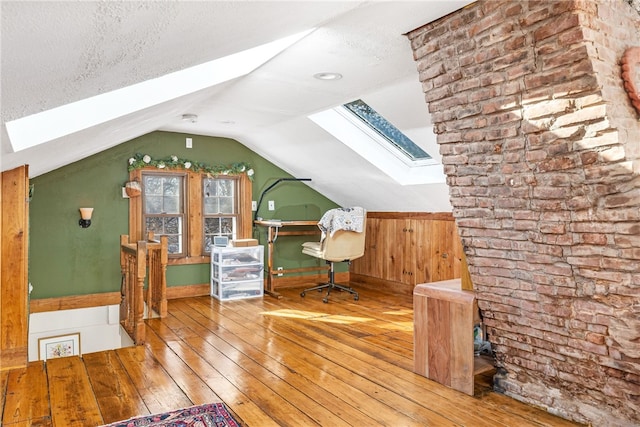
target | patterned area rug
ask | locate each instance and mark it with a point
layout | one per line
(209, 415)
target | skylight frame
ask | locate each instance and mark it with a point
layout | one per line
(383, 142)
(365, 142)
(386, 133)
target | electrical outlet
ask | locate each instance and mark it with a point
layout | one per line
(280, 269)
(189, 143)
(254, 205)
(272, 205)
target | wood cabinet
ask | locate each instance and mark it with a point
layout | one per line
(405, 249)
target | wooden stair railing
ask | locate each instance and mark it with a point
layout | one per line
(140, 261)
(133, 265)
(157, 259)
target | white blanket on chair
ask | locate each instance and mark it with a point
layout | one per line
(348, 219)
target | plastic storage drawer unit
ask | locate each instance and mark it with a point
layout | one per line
(236, 272)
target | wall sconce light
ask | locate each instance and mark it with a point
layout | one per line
(85, 217)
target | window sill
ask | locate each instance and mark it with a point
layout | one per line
(190, 260)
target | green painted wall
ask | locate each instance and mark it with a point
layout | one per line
(66, 260)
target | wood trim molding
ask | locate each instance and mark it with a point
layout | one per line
(307, 280)
(442, 216)
(175, 292)
(381, 284)
(14, 283)
(108, 298)
(13, 358)
(73, 302)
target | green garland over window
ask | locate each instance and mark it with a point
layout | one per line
(144, 160)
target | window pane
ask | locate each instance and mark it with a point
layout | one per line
(210, 205)
(152, 184)
(208, 244)
(174, 244)
(211, 225)
(218, 196)
(163, 194)
(169, 226)
(226, 225)
(226, 205)
(218, 227)
(171, 205)
(225, 187)
(154, 224)
(153, 204)
(172, 225)
(172, 185)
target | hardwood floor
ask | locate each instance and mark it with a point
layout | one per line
(290, 362)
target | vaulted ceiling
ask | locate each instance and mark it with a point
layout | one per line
(57, 53)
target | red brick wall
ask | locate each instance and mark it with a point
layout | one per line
(541, 148)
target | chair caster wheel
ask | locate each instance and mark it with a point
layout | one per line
(302, 294)
(325, 300)
(356, 297)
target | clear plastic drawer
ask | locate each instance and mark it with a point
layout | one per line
(236, 256)
(237, 272)
(237, 290)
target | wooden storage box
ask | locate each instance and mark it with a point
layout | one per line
(239, 243)
(444, 316)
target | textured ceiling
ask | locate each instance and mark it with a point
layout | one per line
(55, 53)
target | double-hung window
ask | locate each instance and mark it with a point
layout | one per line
(164, 208)
(219, 210)
(190, 208)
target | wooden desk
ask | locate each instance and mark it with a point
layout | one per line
(275, 230)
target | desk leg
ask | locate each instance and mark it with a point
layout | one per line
(270, 241)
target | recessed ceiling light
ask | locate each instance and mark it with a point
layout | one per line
(193, 118)
(328, 76)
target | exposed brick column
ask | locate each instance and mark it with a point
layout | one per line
(541, 150)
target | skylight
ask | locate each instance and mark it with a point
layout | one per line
(57, 122)
(361, 128)
(389, 132)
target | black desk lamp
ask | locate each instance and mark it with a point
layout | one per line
(278, 181)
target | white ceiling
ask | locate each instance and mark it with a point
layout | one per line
(54, 53)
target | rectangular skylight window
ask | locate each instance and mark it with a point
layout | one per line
(376, 148)
(61, 121)
(389, 132)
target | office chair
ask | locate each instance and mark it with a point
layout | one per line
(342, 240)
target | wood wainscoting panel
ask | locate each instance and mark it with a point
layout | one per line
(404, 249)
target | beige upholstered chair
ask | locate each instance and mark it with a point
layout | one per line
(338, 245)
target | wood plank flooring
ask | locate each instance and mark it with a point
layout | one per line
(274, 362)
